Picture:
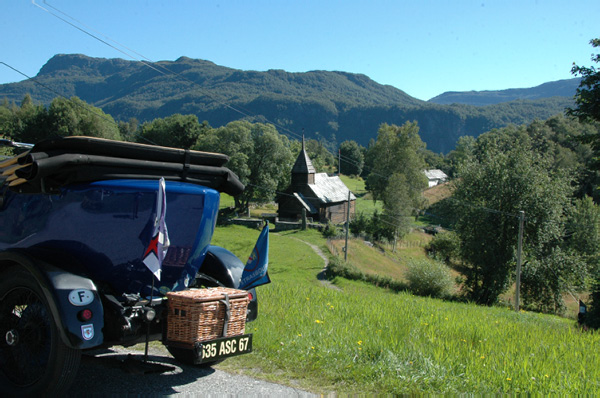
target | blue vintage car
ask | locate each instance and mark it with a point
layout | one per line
(77, 216)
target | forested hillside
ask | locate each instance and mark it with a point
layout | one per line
(334, 105)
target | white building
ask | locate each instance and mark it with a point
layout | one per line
(435, 177)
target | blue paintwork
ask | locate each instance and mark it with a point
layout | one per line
(101, 230)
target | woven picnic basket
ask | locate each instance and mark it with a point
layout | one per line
(206, 314)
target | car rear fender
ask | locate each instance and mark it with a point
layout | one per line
(225, 268)
(67, 294)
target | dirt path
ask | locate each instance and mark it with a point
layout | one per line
(321, 275)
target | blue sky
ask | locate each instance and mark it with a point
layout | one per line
(421, 47)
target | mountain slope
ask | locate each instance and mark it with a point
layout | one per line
(323, 104)
(561, 88)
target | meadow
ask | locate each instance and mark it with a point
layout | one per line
(352, 337)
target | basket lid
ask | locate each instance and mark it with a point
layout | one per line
(208, 294)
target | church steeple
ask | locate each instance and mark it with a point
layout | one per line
(303, 171)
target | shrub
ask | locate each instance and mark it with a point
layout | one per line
(429, 278)
(444, 247)
(359, 224)
(330, 230)
(337, 267)
(380, 229)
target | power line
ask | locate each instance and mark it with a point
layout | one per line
(162, 70)
(83, 106)
(131, 53)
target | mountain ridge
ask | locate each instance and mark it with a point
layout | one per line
(558, 88)
(332, 105)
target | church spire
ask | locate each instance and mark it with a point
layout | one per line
(303, 171)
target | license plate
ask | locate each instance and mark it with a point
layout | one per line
(218, 349)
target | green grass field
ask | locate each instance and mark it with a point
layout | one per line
(226, 201)
(364, 200)
(362, 339)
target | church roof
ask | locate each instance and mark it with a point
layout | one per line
(305, 203)
(330, 189)
(303, 164)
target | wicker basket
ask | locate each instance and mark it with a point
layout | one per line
(200, 314)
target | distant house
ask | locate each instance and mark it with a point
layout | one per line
(435, 177)
(323, 197)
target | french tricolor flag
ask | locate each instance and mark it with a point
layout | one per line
(159, 244)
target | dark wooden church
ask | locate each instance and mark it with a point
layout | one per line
(325, 198)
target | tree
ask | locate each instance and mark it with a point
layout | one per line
(445, 246)
(68, 117)
(319, 153)
(584, 229)
(129, 129)
(587, 99)
(397, 171)
(491, 191)
(545, 279)
(435, 160)
(259, 155)
(352, 158)
(270, 165)
(27, 123)
(398, 204)
(359, 224)
(587, 96)
(64, 117)
(461, 153)
(379, 228)
(177, 131)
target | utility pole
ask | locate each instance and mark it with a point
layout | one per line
(347, 226)
(519, 252)
(339, 162)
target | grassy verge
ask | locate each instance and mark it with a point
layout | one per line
(363, 339)
(369, 260)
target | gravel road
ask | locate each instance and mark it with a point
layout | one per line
(105, 373)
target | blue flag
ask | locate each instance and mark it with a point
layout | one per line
(255, 271)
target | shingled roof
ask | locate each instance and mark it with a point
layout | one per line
(330, 189)
(303, 164)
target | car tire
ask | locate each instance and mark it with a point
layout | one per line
(34, 361)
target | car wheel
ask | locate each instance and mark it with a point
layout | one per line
(33, 358)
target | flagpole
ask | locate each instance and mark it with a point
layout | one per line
(162, 243)
(148, 324)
